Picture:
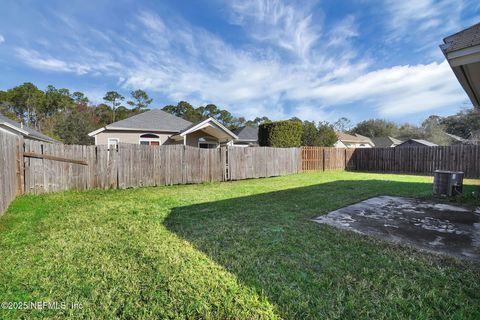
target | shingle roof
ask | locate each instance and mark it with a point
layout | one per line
(421, 141)
(464, 39)
(247, 133)
(384, 142)
(31, 133)
(154, 120)
(357, 138)
(456, 138)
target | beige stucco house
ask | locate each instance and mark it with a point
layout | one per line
(157, 127)
(346, 140)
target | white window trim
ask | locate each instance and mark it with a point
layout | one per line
(149, 140)
(140, 139)
(113, 141)
(217, 145)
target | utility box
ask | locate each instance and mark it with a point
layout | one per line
(448, 183)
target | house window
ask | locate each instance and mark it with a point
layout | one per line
(206, 143)
(149, 139)
(113, 142)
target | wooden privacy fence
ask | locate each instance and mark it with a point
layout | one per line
(129, 166)
(260, 162)
(419, 160)
(57, 167)
(323, 159)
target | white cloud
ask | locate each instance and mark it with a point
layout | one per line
(343, 31)
(2, 39)
(425, 20)
(184, 62)
(286, 26)
(394, 91)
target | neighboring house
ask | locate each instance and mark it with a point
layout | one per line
(474, 137)
(416, 143)
(157, 127)
(15, 128)
(454, 140)
(462, 51)
(352, 141)
(385, 142)
(247, 136)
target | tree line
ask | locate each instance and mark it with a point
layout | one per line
(69, 117)
(464, 124)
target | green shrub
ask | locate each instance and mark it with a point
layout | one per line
(280, 134)
(326, 135)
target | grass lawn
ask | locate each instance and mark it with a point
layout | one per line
(241, 249)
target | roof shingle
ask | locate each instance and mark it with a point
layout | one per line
(154, 120)
(247, 133)
(464, 39)
(31, 133)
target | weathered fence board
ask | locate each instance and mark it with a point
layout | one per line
(260, 162)
(322, 158)
(419, 160)
(52, 168)
(9, 169)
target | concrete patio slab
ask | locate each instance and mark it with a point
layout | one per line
(426, 225)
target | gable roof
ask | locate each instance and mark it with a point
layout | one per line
(383, 142)
(246, 133)
(420, 141)
(210, 122)
(153, 120)
(474, 133)
(24, 130)
(357, 138)
(456, 138)
(467, 38)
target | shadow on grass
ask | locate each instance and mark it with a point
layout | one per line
(311, 270)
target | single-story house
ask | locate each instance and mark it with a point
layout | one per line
(157, 127)
(385, 142)
(455, 140)
(346, 140)
(462, 51)
(12, 127)
(247, 136)
(416, 143)
(474, 137)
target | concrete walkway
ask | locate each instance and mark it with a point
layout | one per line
(426, 225)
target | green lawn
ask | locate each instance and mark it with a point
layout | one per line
(243, 250)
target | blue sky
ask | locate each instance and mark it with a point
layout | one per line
(317, 60)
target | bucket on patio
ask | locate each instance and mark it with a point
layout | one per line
(448, 183)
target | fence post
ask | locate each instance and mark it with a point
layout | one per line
(19, 170)
(323, 155)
